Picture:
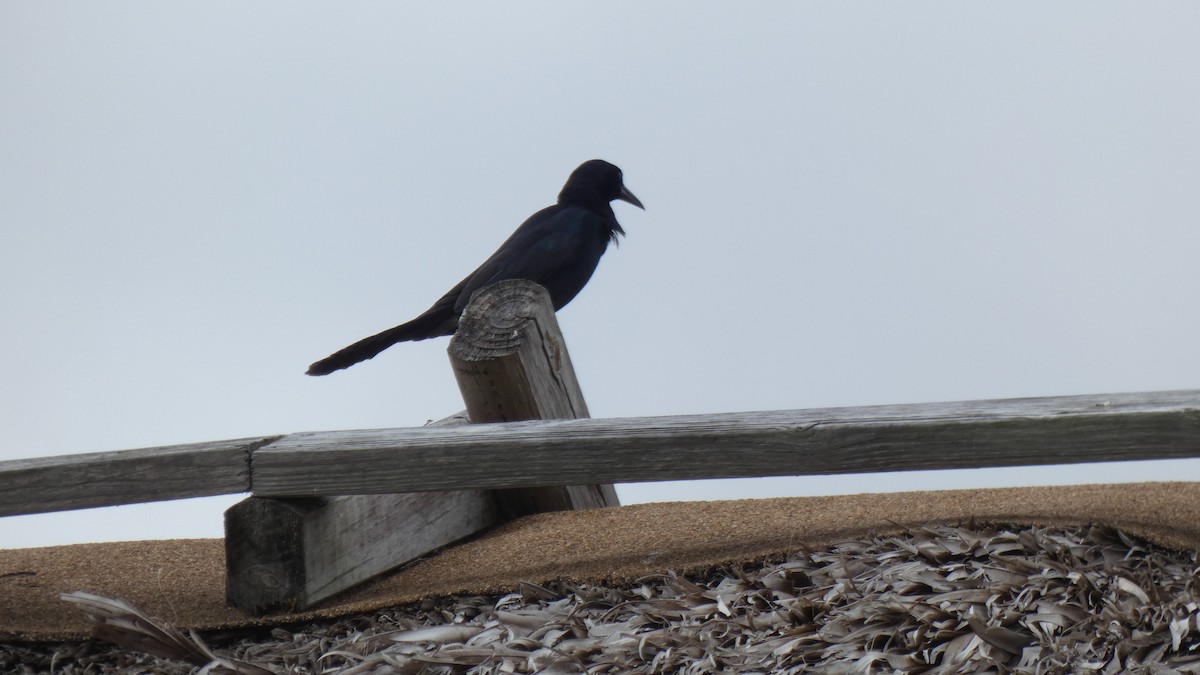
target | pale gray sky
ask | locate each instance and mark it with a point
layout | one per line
(847, 203)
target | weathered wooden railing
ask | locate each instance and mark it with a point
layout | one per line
(959, 435)
(331, 509)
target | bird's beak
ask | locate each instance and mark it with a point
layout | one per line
(627, 196)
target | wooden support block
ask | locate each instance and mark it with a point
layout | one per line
(511, 363)
(289, 554)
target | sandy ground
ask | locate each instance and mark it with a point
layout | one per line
(182, 581)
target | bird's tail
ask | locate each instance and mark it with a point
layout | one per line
(425, 326)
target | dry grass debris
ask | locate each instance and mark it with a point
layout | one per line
(935, 600)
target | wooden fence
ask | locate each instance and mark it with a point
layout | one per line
(959, 435)
(332, 509)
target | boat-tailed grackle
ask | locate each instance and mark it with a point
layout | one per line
(557, 247)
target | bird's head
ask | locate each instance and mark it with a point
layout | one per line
(594, 183)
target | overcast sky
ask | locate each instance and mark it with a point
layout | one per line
(846, 204)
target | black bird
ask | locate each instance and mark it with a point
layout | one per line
(557, 247)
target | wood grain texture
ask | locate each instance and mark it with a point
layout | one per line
(511, 364)
(289, 554)
(89, 480)
(967, 434)
(262, 571)
(510, 358)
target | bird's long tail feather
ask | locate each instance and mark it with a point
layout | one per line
(425, 326)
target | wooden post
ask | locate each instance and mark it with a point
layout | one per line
(511, 363)
(288, 554)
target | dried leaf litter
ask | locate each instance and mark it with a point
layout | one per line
(939, 600)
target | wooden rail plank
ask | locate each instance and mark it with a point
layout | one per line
(968, 434)
(66, 482)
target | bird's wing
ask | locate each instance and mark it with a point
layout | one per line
(549, 241)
